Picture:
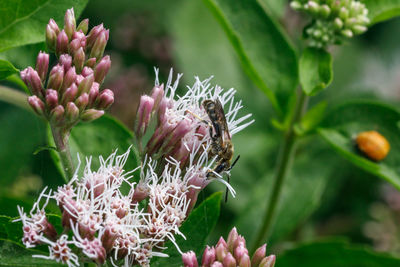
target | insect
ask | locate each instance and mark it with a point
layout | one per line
(221, 143)
(373, 145)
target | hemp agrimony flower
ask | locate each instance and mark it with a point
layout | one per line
(332, 20)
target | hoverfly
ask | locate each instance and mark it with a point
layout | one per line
(221, 143)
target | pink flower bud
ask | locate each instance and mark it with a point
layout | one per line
(51, 98)
(259, 255)
(93, 35)
(245, 261)
(69, 94)
(91, 62)
(65, 60)
(93, 94)
(99, 45)
(217, 264)
(42, 65)
(56, 77)
(86, 71)
(69, 22)
(72, 112)
(83, 26)
(109, 237)
(174, 138)
(91, 114)
(105, 99)
(62, 43)
(79, 59)
(240, 241)
(239, 252)
(36, 104)
(208, 256)
(85, 85)
(52, 32)
(57, 114)
(221, 251)
(157, 94)
(189, 259)
(73, 46)
(141, 192)
(229, 260)
(268, 261)
(233, 235)
(69, 79)
(82, 101)
(102, 69)
(34, 82)
(143, 115)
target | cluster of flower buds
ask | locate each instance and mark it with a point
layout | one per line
(333, 20)
(230, 253)
(105, 224)
(70, 92)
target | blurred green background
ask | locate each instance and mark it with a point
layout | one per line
(324, 195)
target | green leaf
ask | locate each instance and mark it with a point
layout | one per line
(24, 22)
(333, 254)
(311, 119)
(380, 10)
(6, 69)
(346, 121)
(315, 70)
(264, 51)
(98, 138)
(196, 229)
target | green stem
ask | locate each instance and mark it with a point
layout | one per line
(14, 97)
(283, 164)
(61, 138)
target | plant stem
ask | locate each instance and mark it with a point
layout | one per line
(61, 140)
(283, 164)
(14, 97)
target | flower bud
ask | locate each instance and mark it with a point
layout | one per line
(79, 59)
(71, 112)
(221, 252)
(140, 192)
(85, 85)
(217, 264)
(93, 35)
(69, 79)
(91, 62)
(157, 94)
(93, 94)
(347, 33)
(233, 235)
(244, 261)
(36, 104)
(69, 94)
(62, 43)
(69, 22)
(65, 60)
(86, 71)
(268, 261)
(102, 69)
(105, 99)
(91, 114)
(51, 98)
(208, 256)
(259, 255)
(313, 7)
(143, 115)
(83, 26)
(52, 32)
(229, 260)
(82, 101)
(56, 77)
(42, 65)
(57, 114)
(99, 45)
(239, 252)
(34, 82)
(189, 259)
(358, 29)
(324, 10)
(171, 141)
(338, 23)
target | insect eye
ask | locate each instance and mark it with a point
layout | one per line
(374, 145)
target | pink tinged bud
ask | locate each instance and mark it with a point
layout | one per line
(259, 255)
(85, 85)
(229, 261)
(268, 261)
(240, 241)
(94, 92)
(51, 98)
(49, 230)
(109, 237)
(42, 65)
(181, 129)
(245, 261)
(221, 252)
(72, 112)
(91, 62)
(99, 45)
(91, 114)
(208, 256)
(52, 32)
(65, 60)
(157, 94)
(93, 35)
(24, 76)
(105, 99)
(189, 259)
(232, 237)
(69, 79)
(143, 115)
(56, 77)
(62, 43)
(239, 252)
(82, 101)
(69, 22)
(102, 69)
(83, 26)
(79, 59)
(70, 94)
(140, 193)
(34, 82)
(36, 104)
(73, 46)
(217, 264)
(57, 114)
(86, 71)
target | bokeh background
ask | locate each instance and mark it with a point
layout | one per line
(341, 199)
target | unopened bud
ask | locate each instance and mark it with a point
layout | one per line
(233, 235)
(239, 252)
(105, 99)
(93, 35)
(157, 94)
(65, 60)
(56, 77)
(229, 260)
(358, 29)
(338, 23)
(83, 26)
(217, 264)
(208, 256)
(344, 13)
(86, 71)
(57, 114)
(221, 252)
(91, 114)
(85, 85)
(102, 69)
(42, 65)
(79, 59)
(189, 259)
(313, 7)
(69, 79)
(36, 104)
(99, 45)
(347, 33)
(245, 261)
(91, 62)
(52, 32)
(94, 92)
(51, 98)
(268, 261)
(69, 22)
(143, 115)
(82, 101)
(70, 94)
(259, 255)
(34, 82)
(62, 43)
(324, 10)
(72, 112)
